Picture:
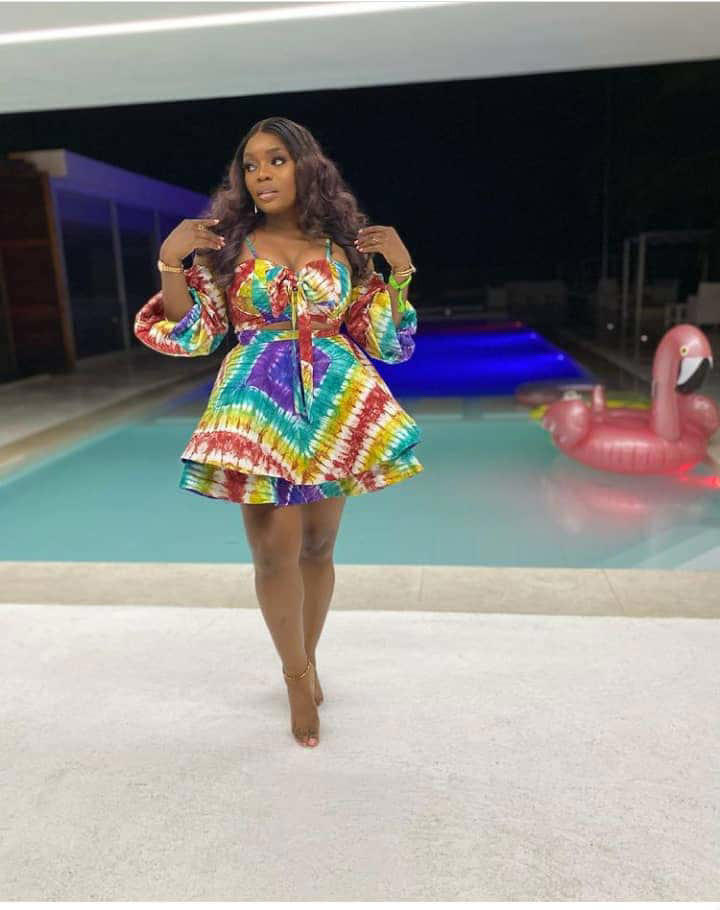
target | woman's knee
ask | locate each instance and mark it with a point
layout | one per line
(317, 545)
(320, 525)
(274, 537)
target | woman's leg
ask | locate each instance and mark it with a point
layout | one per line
(320, 523)
(275, 535)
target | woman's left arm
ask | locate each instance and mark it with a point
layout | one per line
(378, 238)
(379, 317)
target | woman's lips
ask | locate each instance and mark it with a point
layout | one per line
(267, 195)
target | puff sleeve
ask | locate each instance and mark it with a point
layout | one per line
(202, 328)
(369, 321)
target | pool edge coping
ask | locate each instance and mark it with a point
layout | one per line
(657, 593)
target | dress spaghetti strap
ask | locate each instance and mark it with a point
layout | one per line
(251, 245)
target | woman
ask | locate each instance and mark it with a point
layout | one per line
(298, 416)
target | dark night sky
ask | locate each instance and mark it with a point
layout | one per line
(504, 175)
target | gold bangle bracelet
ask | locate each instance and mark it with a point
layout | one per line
(164, 267)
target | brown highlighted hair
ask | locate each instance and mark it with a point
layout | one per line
(326, 206)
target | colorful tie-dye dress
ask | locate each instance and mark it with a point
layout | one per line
(294, 415)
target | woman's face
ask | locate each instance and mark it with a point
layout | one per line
(267, 165)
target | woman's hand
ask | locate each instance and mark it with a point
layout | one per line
(189, 235)
(378, 238)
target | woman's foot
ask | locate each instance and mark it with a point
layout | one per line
(304, 720)
(318, 691)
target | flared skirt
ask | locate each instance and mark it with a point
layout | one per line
(251, 446)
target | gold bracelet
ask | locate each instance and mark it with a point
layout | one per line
(403, 272)
(164, 267)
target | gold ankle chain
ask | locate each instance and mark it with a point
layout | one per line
(298, 675)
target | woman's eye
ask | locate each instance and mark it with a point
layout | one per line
(276, 158)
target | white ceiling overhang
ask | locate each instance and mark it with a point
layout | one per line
(85, 54)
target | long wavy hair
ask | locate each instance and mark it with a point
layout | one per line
(326, 206)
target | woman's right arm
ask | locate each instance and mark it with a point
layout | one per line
(188, 317)
(176, 296)
(190, 234)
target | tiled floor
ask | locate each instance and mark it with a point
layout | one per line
(46, 412)
(41, 402)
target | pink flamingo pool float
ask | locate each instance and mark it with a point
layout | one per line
(672, 435)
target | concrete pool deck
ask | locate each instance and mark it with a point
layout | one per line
(403, 588)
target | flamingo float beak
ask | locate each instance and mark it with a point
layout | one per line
(692, 373)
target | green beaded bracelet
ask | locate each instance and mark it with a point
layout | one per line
(393, 282)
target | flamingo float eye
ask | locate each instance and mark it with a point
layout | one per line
(683, 350)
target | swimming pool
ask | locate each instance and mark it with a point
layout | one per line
(468, 358)
(494, 492)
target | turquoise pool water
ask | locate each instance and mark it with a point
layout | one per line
(494, 492)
